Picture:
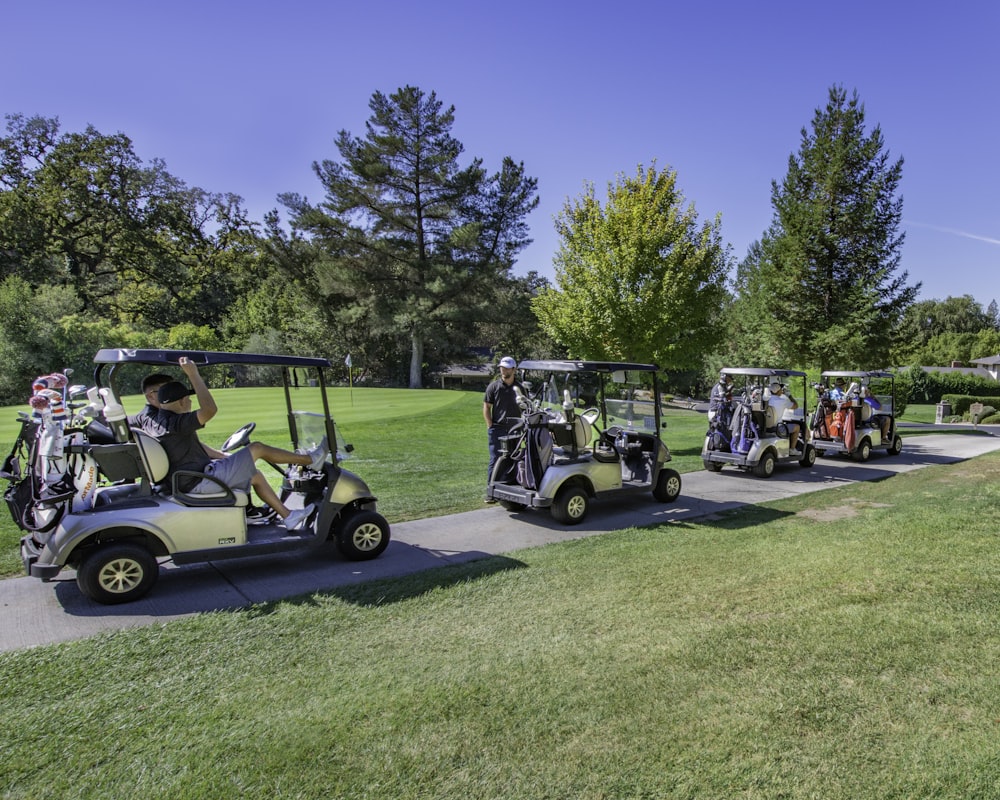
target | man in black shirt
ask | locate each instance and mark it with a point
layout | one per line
(500, 409)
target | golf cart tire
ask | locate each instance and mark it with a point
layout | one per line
(117, 573)
(668, 486)
(570, 505)
(765, 467)
(362, 536)
(712, 466)
(897, 445)
(863, 451)
(511, 505)
(808, 457)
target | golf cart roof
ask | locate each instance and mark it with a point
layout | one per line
(841, 373)
(202, 358)
(764, 372)
(587, 366)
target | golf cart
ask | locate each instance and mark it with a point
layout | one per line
(91, 494)
(588, 428)
(747, 431)
(862, 419)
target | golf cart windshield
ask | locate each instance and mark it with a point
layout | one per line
(625, 394)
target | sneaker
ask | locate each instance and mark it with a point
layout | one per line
(260, 515)
(297, 517)
(318, 455)
(489, 501)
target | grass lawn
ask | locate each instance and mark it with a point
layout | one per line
(840, 644)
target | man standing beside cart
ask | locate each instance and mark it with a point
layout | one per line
(500, 410)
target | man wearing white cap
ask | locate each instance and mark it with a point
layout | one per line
(500, 409)
(781, 402)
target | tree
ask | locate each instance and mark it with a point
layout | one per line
(134, 242)
(638, 279)
(416, 242)
(929, 320)
(828, 267)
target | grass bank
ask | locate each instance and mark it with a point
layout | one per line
(841, 644)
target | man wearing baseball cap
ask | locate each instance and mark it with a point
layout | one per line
(175, 425)
(781, 402)
(500, 409)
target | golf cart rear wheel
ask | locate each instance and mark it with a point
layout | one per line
(363, 536)
(668, 486)
(117, 573)
(570, 505)
(864, 450)
(765, 467)
(712, 466)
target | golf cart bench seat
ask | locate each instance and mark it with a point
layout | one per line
(156, 466)
(572, 437)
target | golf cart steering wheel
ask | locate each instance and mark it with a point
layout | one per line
(240, 438)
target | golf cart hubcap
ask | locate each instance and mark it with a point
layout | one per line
(367, 537)
(576, 506)
(120, 575)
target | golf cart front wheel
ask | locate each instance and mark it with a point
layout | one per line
(570, 505)
(897, 445)
(117, 573)
(808, 456)
(363, 536)
(668, 486)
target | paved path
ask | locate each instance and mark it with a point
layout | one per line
(34, 613)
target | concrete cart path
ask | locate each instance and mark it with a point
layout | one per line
(34, 613)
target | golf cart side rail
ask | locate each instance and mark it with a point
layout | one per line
(203, 358)
(587, 366)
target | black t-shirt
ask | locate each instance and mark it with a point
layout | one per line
(503, 398)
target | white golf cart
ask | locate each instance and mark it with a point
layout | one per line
(747, 432)
(588, 428)
(90, 493)
(855, 414)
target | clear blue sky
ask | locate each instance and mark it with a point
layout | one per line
(242, 97)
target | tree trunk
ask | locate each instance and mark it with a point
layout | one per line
(416, 359)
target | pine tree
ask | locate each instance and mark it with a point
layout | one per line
(828, 270)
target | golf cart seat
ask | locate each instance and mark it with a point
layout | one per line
(156, 465)
(770, 418)
(573, 438)
(152, 456)
(866, 413)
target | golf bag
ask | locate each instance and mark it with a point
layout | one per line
(49, 469)
(720, 428)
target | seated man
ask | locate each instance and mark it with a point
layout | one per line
(781, 402)
(837, 392)
(176, 427)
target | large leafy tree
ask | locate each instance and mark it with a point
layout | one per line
(133, 242)
(638, 278)
(824, 286)
(412, 242)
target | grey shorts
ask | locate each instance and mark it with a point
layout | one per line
(236, 471)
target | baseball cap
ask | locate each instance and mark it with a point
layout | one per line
(170, 392)
(775, 387)
(508, 362)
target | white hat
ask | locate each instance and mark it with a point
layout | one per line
(508, 362)
(775, 387)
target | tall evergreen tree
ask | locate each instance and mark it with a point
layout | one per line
(413, 240)
(828, 269)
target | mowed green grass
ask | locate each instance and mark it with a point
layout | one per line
(841, 645)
